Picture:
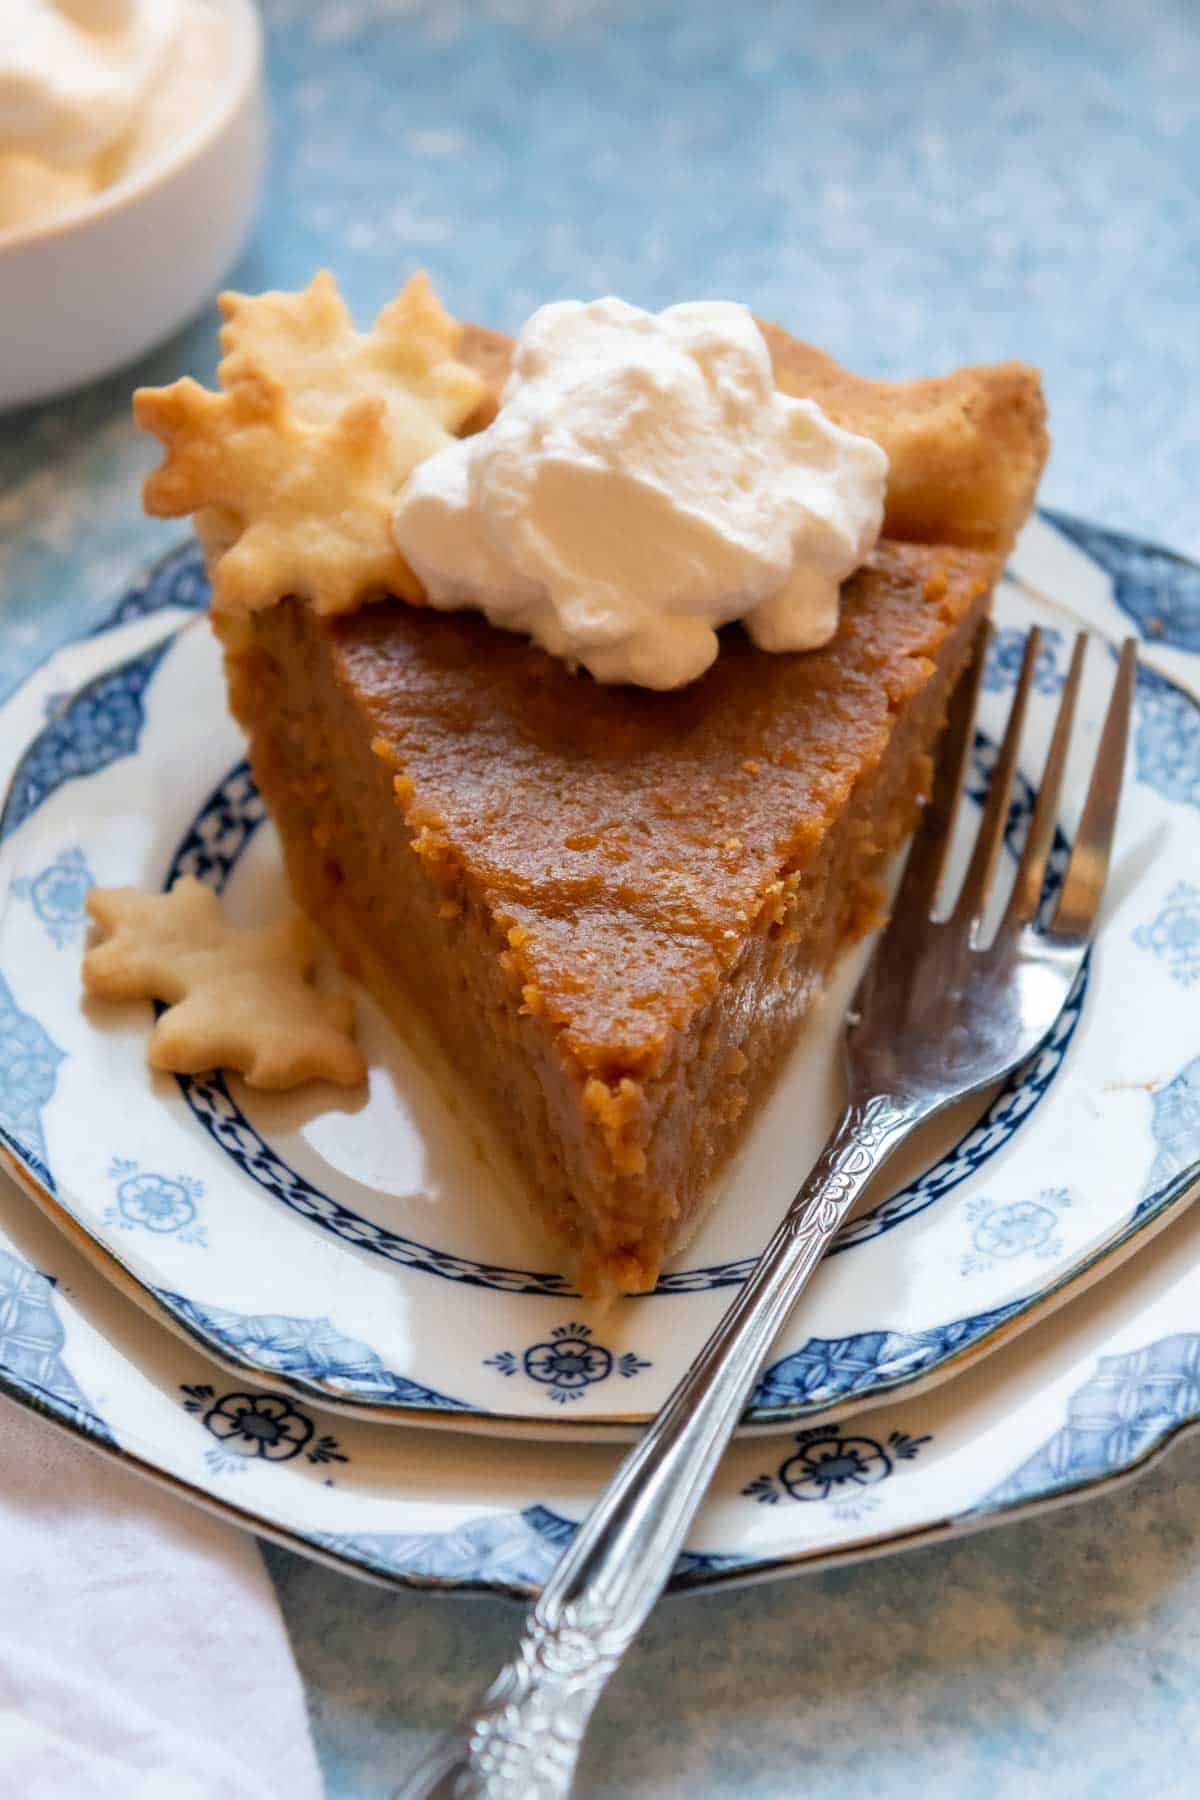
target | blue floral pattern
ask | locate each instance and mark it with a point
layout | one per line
(216, 1110)
(1003, 1232)
(567, 1363)
(1129, 1406)
(252, 1428)
(826, 1370)
(1175, 1124)
(180, 579)
(32, 1341)
(1167, 739)
(505, 1551)
(163, 1204)
(100, 725)
(29, 1060)
(1174, 935)
(1005, 656)
(313, 1351)
(224, 827)
(58, 895)
(1159, 591)
(513, 1553)
(830, 1464)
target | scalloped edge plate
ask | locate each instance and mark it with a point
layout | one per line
(563, 1360)
(1085, 1399)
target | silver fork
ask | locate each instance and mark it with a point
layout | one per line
(941, 1013)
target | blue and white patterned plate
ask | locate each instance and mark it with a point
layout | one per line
(372, 1252)
(1084, 1398)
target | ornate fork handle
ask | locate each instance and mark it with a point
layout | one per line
(523, 1739)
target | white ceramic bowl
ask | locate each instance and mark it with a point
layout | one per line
(98, 286)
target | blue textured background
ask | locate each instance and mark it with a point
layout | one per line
(911, 185)
(1055, 1660)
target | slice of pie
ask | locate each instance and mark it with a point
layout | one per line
(614, 905)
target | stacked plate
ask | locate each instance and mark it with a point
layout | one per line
(326, 1316)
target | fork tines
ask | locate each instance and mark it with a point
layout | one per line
(1074, 917)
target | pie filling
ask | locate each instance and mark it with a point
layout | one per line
(613, 895)
(613, 906)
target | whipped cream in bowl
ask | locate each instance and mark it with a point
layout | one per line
(90, 89)
(643, 484)
(131, 155)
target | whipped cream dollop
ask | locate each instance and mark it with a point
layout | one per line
(89, 88)
(642, 484)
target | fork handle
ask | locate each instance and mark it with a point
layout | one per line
(523, 1739)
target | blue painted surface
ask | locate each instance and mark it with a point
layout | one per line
(912, 187)
(1055, 1659)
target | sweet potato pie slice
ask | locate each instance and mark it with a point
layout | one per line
(615, 905)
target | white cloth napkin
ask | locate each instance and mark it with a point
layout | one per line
(142, 1651)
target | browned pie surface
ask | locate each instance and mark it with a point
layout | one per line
(636, 836)
(613, 904)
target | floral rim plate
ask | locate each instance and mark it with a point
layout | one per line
(371, 1254)
(1081, 1400)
